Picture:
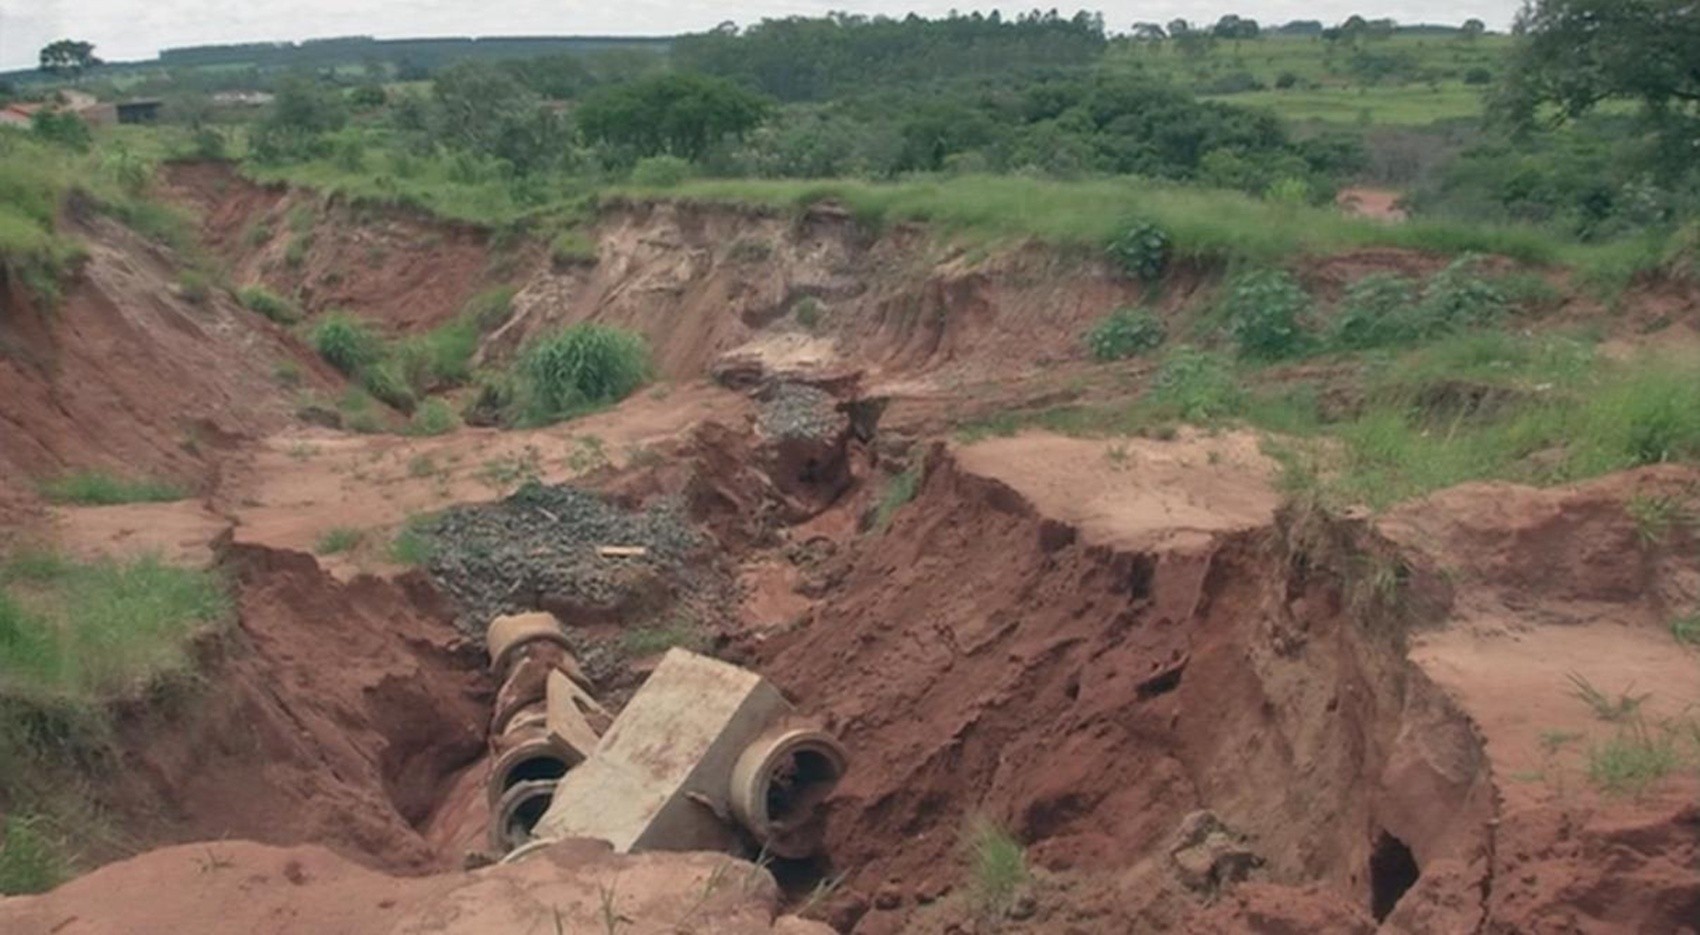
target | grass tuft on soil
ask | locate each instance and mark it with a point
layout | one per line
(88, 632)
(98, 488)
(997, 868)
(1484, 405)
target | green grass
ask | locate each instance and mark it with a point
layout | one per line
(1686, 629)
(433, 417)
(33, 180)
(270, 304)
(30, 860)
(338, 540)
(1486, 405)
(1632, 760)
(412, 544)
(348, 343)
(88, 632)
(99, 488)
(898, 491)
(579, 368)
(997, 868)
(573, 248)
(1204, 224)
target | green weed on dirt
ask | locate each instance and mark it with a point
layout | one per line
(338, 540)
(898, 491)
(30, 860)
(997, 868)
(99, 488)
(86, 632)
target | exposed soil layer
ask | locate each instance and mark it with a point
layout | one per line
(393, 267)
(1196, 712)
(335, 714)
(1090, 685)
(1563, 586)
(130, 377)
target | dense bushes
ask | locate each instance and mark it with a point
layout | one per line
(1265, 312)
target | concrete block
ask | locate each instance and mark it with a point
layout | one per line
(659, 779)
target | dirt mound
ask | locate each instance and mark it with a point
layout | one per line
(1090, 684)
(337, 714)
(239, 886)
(406, 272)
(131, 377)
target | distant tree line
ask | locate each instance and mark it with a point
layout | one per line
(813, 59)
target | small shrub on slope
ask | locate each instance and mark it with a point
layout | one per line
(1265, 312)
(346, 342)
(270, 304)
(1197, 386)
(1376, 311)
(1124, 333)
(1143, 250)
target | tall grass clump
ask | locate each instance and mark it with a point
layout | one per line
(99, 488)
(89, 632)
(346, 342)
(997, 868)
(32, 184)
(583, 366)
(898, 491)
(268, 303)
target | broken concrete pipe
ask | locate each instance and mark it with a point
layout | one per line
(529, 657)
(779, 783)
(706, 756)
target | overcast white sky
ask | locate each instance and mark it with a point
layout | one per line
(134, 29)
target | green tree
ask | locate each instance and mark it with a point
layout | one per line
(484, 109)
(68, 57)
(1576, 54)
(673, 114)
(301, 113)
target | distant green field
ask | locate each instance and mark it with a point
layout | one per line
(1404, 80)
(1379, 105)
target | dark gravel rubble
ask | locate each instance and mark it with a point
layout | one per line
(540, 545)
(797, 410)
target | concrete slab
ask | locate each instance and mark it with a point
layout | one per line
(659, 778)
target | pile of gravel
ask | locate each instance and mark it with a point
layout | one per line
(797, 410)
(496, 558)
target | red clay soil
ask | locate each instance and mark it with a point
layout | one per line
(128, 377)
(1560, 584)
(982, 658)
(406, 272)
(248, 888)
(337, 714)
